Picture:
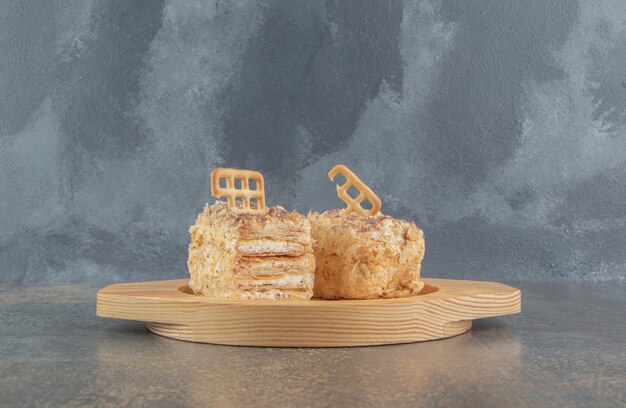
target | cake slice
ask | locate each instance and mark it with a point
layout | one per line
(365, 257)
(235, 255)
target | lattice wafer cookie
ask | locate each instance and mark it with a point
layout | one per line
(240, 197)
(365, 193)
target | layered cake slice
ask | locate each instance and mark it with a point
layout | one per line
(360, 253)
(365, 257)
(266, 255)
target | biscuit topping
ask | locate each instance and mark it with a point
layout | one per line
(240, 195)
(365, 193)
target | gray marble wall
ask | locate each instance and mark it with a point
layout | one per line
(498, 126)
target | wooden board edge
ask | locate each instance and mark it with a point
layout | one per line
(184, 333)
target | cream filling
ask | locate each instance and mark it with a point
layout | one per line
(285, 282)
(276, 294)
(268, 265)
(279, 262)
(268, 246)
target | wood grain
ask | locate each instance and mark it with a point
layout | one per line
(446, 310)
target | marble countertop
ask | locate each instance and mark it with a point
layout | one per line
(566, 348)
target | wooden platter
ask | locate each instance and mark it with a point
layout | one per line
(446, 308)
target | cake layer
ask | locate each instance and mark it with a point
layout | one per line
(276, 224)
(270, 247)
(274, 294)
(275, 265)
(285, 281)
(285, 229)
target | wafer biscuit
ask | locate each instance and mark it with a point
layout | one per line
(240, 199)
(365, 193)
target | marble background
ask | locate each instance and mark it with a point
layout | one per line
(498, 126)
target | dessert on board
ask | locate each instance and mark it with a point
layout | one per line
(241, 249)
(265, 276)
